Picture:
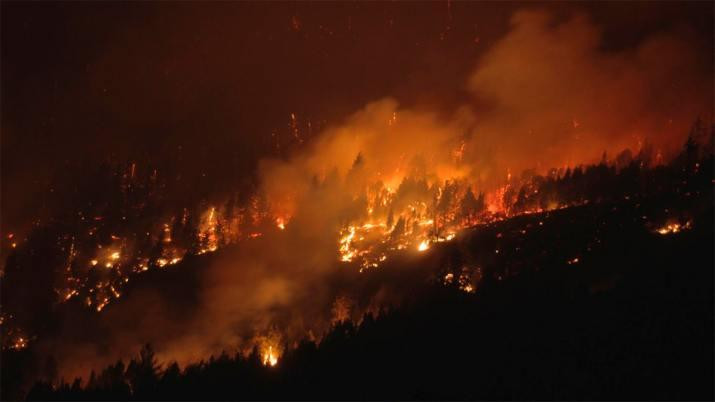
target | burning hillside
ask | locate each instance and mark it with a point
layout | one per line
(388, 225)
(592, 257)
(555, 131)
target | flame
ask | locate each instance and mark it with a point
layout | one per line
(167, 233)
(270, 357)
(448, 278)
(207, 233)
(346, 253)
(390, 222)
(671, 228)
(424, 245)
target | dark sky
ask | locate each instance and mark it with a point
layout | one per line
(201, 87)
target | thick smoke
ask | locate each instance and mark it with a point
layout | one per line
(557, 98)
(546, 95)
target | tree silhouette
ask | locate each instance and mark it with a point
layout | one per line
(143, 374)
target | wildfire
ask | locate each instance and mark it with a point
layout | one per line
(424, 245)
(71, 294)
(426, 213)
(269, 348)
(465, 279)
(102, 304)
(346, 253)
(672, 228)
(396, 213)
(122, 257)
(19, 343)
(207, 233)
(402, 214)
(270, 357)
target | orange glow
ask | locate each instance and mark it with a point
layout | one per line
(424, 245)
(270, 358)
(672, 228)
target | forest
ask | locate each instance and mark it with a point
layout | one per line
(606, 299)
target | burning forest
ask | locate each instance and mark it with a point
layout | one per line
(304, 219)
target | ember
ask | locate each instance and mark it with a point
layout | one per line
(671, 228)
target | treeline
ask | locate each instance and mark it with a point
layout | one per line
(623, 176)
(457, 203)
(628, 176)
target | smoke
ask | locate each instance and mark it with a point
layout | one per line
(545, 95)
(557, 98)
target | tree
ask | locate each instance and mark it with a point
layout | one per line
(470, 208)
(399, 228)
(143, 375)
